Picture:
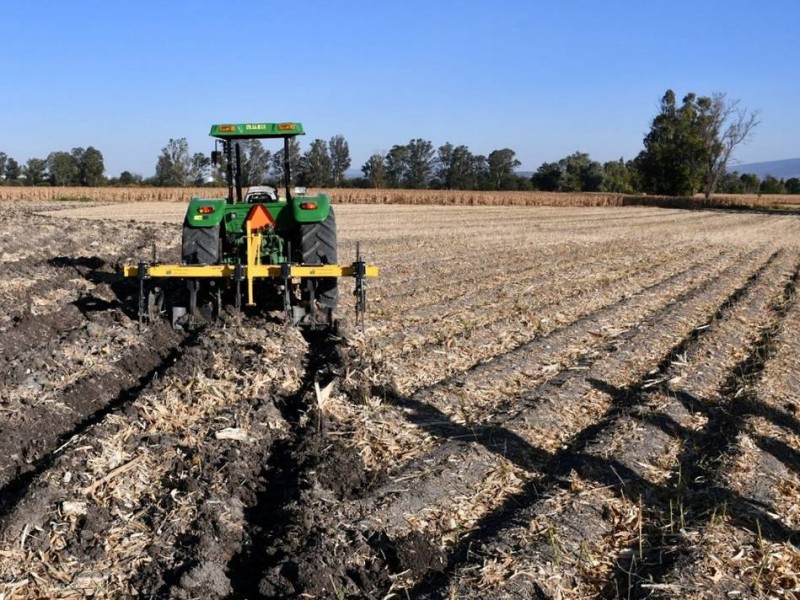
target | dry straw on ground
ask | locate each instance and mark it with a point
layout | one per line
(543, 391)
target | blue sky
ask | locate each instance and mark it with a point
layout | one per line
(545, 78)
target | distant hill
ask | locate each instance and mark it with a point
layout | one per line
(782, 169)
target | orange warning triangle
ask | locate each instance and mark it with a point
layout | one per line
(259, 217)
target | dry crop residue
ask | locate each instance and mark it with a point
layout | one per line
(545, 403)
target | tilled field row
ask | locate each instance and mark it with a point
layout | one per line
(496, 383)
(61, 401)
(479, 467)
(522, 294)
(474, 340)
(615, 512)
(547, 415)
(741, 531)
(110, 515)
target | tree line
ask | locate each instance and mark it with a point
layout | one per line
(78, 167)
(688, 149)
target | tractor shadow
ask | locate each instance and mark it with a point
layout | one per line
(115, 291)
(697, 484)
(557, 468)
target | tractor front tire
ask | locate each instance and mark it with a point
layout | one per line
(201, 245)
(318, 247)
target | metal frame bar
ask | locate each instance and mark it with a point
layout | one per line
(252, 272)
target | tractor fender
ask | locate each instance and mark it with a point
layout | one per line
(311, 209)
(205, 212)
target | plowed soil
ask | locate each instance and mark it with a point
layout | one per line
(543, 403)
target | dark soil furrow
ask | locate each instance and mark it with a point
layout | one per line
(223, 379)
(32, 443)
(304, 459)
(32, 434)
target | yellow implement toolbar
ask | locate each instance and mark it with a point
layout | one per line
(256, 271)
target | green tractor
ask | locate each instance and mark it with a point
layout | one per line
(279, 248)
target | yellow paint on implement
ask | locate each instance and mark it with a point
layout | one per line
(256, 271)
(253, 247)
(257, 219)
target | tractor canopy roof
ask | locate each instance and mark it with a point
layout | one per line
(236, 131)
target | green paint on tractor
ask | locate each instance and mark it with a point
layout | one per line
(226, 217)
(301, 229)
(264, 247)
(256, 130)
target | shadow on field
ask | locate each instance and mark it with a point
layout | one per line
(697, 485)
(124, 291)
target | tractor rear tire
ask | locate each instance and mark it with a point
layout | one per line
(318, 247)
(201, 245)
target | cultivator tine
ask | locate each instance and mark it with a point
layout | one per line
(217, 303)
(142, 275)
(312, 300)
(286, 278)
(238, 277)
(192, 284)
(360, 292)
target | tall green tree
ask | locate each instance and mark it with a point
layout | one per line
(502, 164)
(294, 161)
(396, 164)
(3, 162)
(458, 169)
(128, 178)
(255, 161)
(339, 152)
(617, 177)
(772, 185)
(174, 165)
(64, 169)
(444, 160)
(92, 168)
(689, 147)
(730, 183)
(316, 166)
(547, 177)
(792, 185)
(77, 154)
(35, 171)
(672, 161)
(374, 170)
(201, 168)
(420, 161)
(750, 183)
(12, 171)
(579, 173)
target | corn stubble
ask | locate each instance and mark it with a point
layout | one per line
(565, 402)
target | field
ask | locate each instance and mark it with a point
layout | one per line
(545, 403)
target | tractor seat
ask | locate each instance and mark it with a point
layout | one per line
(261, 193)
